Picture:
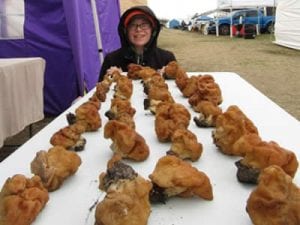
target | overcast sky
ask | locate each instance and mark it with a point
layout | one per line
(180, 9)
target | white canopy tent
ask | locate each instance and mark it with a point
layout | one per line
(223, 4)
(287, 25)
(230, 5)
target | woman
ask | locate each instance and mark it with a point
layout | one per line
(138, 30)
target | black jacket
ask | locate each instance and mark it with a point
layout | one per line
(153, 56)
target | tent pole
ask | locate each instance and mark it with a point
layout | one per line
(217, 24)
(230, 27)
(98, 33)
(257, 25)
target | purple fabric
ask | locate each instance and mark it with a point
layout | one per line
(47, 34)
(62, 32)
(13, 48)
(109, 15)
(79, 19)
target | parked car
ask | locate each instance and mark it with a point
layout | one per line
(249, 16)
(198, 22)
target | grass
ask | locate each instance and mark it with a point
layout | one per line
(271, 68)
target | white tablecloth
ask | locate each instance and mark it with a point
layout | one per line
(21, 94)
(72, 203)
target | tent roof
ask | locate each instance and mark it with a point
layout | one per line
(245, 3)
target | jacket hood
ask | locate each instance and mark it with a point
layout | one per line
(122, 30)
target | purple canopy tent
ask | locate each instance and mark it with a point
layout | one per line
(63, 33)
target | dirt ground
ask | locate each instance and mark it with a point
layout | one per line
(272, 69)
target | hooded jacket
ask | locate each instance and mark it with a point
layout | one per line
(152, 56)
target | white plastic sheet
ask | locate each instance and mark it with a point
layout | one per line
(73, 202)
(287, 25)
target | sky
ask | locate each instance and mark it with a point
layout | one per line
(180, 9)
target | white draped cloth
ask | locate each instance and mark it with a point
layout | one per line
(21, 94)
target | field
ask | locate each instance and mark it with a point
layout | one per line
(272, 69)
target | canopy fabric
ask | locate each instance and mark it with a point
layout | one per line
(245, 3)
(287, 25)
(109, 15)
(63, 33)
(173, 23)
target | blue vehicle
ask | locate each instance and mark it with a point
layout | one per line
(198, 22)
(246, 16)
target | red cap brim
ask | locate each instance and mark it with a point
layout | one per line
(135, 13)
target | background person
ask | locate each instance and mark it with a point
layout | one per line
(138, 30)
(239, 26)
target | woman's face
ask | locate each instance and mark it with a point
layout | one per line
(139, 32)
